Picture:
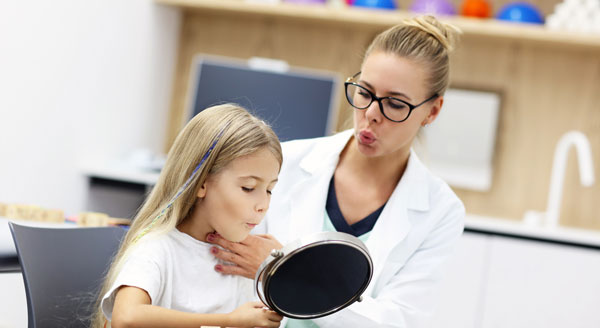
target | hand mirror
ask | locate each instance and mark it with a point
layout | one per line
(314, 276)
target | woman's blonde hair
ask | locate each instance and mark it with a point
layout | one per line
(231, 132)
(425, 40)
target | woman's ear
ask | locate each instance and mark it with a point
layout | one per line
(202, 191)
(436, 108)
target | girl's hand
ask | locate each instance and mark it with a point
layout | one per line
(254, 314)
(246, 255)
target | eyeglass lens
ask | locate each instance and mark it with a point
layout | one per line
(361, 98)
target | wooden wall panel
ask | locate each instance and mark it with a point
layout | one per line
(546, 91)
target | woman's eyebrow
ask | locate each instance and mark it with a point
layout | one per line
(391, 93)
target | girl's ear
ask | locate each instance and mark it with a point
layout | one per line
(202, 191)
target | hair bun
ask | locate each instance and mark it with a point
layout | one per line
(446, 34)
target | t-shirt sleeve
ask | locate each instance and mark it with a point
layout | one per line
(142, 270)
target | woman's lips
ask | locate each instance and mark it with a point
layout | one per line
(366, 137)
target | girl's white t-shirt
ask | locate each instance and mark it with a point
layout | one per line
(177, 271)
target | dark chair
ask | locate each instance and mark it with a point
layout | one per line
(63, 270)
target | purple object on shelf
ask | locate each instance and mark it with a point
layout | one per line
(439, 7)
(307, 1)
(380, 4)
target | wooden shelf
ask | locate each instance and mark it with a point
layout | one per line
(384, 18)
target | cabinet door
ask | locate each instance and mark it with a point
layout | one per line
(13, 303)
(460, 296)
(533, 284)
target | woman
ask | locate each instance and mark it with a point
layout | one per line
(367, 181)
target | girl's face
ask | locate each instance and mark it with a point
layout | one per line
(388, 75)
(236, 199)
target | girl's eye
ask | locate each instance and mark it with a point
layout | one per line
(269, 192)
(246, 189)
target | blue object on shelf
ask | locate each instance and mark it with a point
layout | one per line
(381, 4)
(522, 12)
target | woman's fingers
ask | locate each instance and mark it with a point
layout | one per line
(246, 256)
(218, 240)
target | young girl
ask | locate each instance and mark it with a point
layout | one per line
(218, 179)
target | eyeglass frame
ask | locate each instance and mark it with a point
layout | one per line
(379, 99)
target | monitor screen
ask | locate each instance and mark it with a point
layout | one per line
(297, 103)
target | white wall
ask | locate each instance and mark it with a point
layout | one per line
(79, 80)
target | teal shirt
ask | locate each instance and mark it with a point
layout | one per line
(296, 323)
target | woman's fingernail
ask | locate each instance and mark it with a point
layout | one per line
(218, 267)
(214, 250)
(210, 237)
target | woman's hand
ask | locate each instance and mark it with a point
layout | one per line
(246, 255)
(255, 314)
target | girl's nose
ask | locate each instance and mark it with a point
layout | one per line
(262, 205)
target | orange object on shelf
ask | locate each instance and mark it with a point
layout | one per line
(476, 8)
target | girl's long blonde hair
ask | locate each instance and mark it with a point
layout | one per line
(238, 133)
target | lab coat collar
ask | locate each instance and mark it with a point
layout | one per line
(325, 156)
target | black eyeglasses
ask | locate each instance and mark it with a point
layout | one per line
(394, 109)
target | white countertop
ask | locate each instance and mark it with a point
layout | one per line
(519, 229)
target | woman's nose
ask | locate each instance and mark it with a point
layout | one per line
(373, 112)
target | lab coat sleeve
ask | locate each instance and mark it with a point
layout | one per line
(408, 299)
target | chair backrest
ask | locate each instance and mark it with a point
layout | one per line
(63, 270)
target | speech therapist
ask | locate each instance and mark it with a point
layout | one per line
(368, 182)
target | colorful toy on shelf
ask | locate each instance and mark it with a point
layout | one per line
(521, 12)
(307, 2)
(379, 4)
(476, 8)
(436, 7)
(576, 16)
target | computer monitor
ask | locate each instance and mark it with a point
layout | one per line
(297, 103)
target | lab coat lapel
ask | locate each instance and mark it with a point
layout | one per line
(391, 228)
(310, 194)
(307, 208)
(394, 224)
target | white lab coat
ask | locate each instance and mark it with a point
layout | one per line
(413, 236)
